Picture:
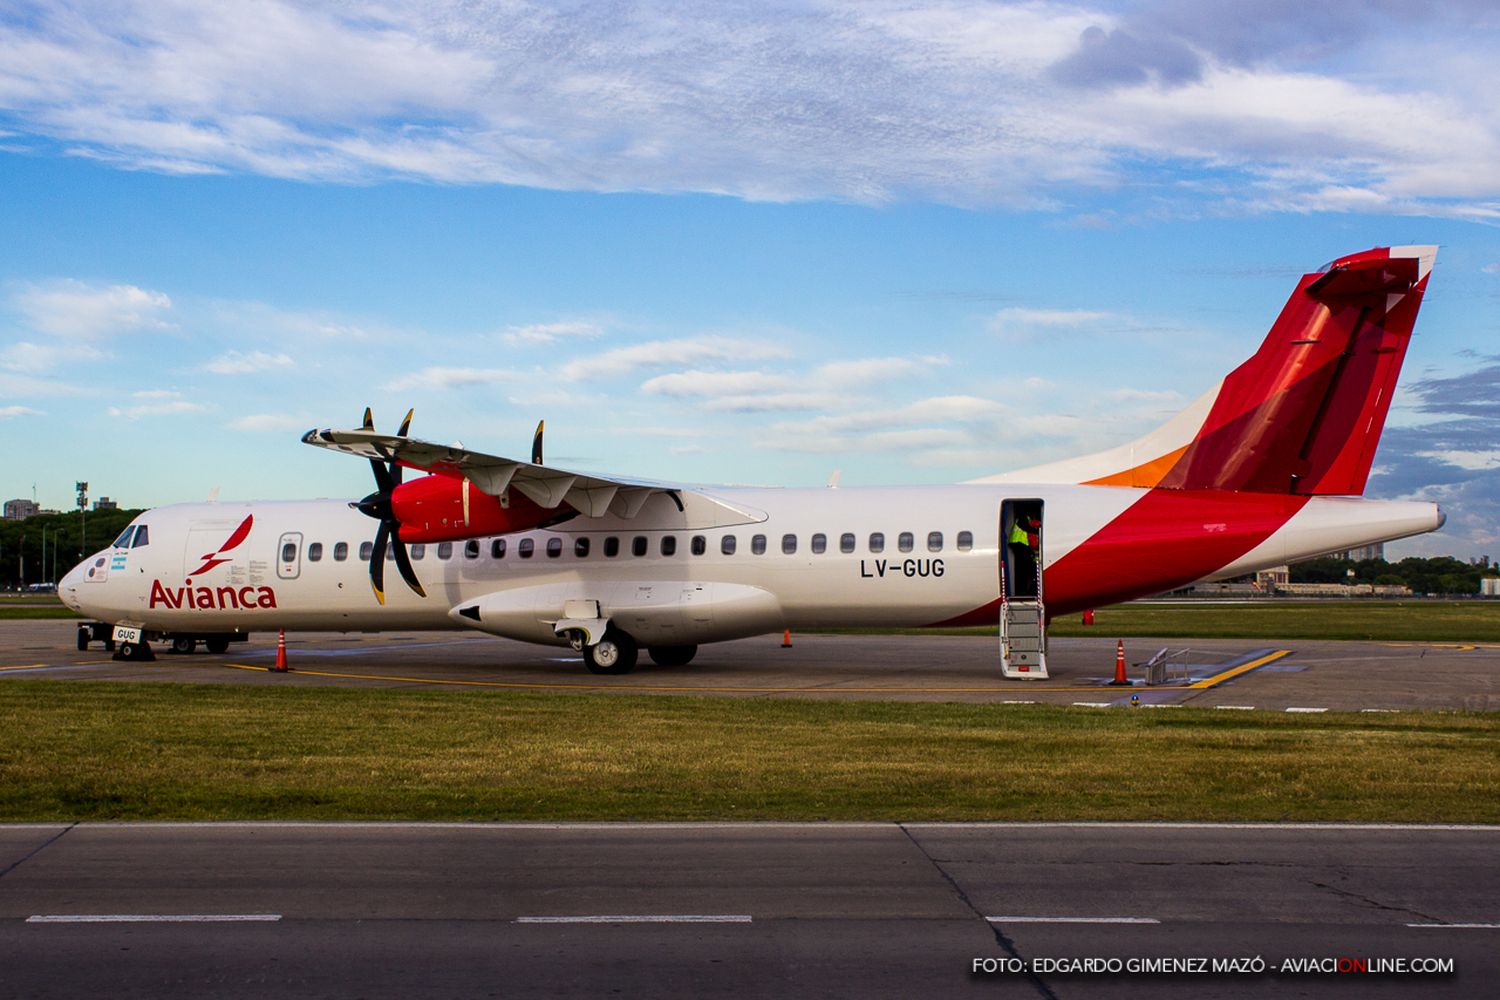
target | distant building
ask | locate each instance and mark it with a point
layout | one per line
(1489, 586)
(1376, 551)
(105, 503)
(20, 510)
(1267, 580)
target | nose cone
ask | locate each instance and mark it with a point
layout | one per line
(1442, 518)
(67, 588)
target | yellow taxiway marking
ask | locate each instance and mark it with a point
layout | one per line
(1209, 682)
(604, 685)
(29, 666)
(1462, 647)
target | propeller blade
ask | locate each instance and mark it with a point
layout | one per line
(377, 562)
(369, 424)
(536, 443)
(405, 424)
(403, 563)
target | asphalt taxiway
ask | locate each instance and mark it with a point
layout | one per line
(1303, 675)
(870, 910)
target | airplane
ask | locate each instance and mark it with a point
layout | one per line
(1265, 468)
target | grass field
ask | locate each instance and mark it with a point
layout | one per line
(100, 751)
(18, 611)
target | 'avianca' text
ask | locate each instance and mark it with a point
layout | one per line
(211, 598)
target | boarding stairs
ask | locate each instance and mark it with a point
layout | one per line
(1023, 633)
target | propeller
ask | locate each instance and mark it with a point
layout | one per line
(378, 506)
(536, 443)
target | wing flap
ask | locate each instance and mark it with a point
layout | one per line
(548, 487)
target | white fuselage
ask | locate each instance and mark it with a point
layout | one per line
(671, 579)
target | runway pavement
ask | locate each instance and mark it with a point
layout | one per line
(869, 910)
(1228, 674)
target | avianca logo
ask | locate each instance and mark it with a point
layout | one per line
(214, 598)
(211, 559)
(211, 598)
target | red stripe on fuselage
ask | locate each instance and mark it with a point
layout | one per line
(1166, 539)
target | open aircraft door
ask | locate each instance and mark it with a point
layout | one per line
(1023, 617)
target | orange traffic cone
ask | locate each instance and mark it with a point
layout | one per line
(1120, 677)
(786, 639)
(281, 666)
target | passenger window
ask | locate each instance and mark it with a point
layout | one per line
(758, 544)
(554, 548)
(365, 548)
(315, 552)
(581, 548)
(289, 552)
(877, 542)
(727, 545)
(123, 542)
(340, 551)
(416, 550)
(471, 549)
(965, 541)
(497, 549)
(788, 544)
(699, 545)
(669, 545)
(905, 542)
(819, 544)
(611, 547)
(934, 541)
(525, 548)
(846, 542)
(638, 545)
(141, 537)
(445, 550)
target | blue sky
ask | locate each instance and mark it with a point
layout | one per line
(718, 243)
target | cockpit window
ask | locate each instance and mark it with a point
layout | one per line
(141, 538)
(123, 542)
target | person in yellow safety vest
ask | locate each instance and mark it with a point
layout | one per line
(1022, 547)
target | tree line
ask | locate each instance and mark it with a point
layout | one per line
(21, 543)
(1437, 575)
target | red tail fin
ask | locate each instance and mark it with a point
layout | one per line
(1304, 414)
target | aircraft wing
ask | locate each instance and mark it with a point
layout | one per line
(548, 487)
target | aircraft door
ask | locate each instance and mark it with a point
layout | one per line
(1021, 551)
(289, 556)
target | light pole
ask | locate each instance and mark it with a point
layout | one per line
(83, 510)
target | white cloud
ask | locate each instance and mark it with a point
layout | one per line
(80, 311)
(863, 371)
(451, 378)
(160, 403)
(257, 422)
(958, 100)
(26, 356)
(702, 383)
(9, 412)
(1491, 268)
(666, 353)
(1019, 322)
(551, 333)
(246, 362)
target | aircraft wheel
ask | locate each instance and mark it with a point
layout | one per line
(672, 656)
(614, 654)
(215, 644)
(109, 645)
(84, 635)
(183, 644)
(136, 651)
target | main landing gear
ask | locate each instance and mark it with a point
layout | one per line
(615, 653)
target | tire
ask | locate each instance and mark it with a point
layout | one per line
(184, 644)
(614, 654)
(85, 633)
(672, 656)
(216, 644)
(109, 645)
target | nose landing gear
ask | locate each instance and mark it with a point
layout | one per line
(615, 653)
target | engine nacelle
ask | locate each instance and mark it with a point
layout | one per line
(440, 508)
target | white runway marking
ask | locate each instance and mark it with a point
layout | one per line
(1237, 708)
(643, 918)
(152, 918)
(1307, 710)
(1073, 920)
(1487, 927)
(1094, 704)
